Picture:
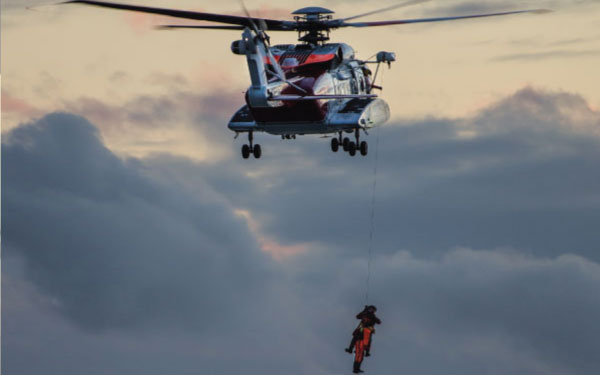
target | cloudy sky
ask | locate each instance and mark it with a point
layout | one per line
(136, 239)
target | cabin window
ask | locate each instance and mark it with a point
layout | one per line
(290, 62)
(347, 52)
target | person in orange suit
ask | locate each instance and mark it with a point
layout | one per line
(361, 337)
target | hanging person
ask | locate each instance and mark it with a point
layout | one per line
(361, 337)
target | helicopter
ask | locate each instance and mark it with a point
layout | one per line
(313, 87)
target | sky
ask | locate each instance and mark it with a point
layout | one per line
(136, 239)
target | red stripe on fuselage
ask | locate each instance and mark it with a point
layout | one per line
(314, 58)
(311, 59)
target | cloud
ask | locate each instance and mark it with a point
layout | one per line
(468, 6)
(181, 119)
(152, 111)
(16, 4)
(109, 242)
(499, 310)
(143, 22)
(269, 245)
(537, 56)
(466, 311)
(19, 107)
(484, 252)
(520, 173)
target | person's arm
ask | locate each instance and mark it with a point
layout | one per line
(361, 314)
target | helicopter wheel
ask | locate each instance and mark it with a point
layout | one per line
(364, 148)
(345, 143)
(257, 151)
(245, 151)
(352, 148)
(335, 144)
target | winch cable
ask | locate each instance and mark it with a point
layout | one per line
(372, 231)
(373, 196)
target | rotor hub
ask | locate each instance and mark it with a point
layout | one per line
(312, 24)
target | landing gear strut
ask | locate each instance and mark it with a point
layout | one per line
(251, 148)
(350, 146)
(363, 146)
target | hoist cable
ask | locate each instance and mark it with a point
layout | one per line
(372, 229)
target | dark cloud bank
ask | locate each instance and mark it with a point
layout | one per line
(486, 250)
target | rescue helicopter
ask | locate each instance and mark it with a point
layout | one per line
(313, 87)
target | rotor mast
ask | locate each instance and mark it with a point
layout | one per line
(313, 24)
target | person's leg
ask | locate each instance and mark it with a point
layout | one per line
(358, 356)
(352, 343)
(356, 335)
(368, 346)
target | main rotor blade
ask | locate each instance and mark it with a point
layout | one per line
(437, 19)
(316, 97)
(396, 6)
(249, 17)
(200, 27)
(279, 25)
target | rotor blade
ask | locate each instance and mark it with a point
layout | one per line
(278, 25)
(200, 27)
(401, 5)
(249, 17)
(437, 19)
(315, 97)
(264, 38)
(262, 25)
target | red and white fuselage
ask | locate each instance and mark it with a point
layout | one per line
(326, 90)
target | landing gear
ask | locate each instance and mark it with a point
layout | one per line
(335, 144)
(251, 148)
(364, 148)
(245, 151)
(346, 141)
(257, 151)
(351, 147)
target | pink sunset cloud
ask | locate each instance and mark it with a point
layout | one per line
(17, 106)
(142, 22)
(268, 244)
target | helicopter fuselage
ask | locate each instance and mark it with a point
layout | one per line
(341, 86)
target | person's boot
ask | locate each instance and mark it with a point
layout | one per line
(348, 350)
(357, 369)
(367, 353)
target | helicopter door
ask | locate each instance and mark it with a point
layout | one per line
(362, 87)
(354, 82)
